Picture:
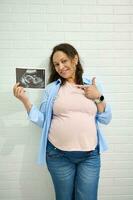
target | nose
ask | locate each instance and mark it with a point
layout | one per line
(61, 65)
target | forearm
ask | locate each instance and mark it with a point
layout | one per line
(101, 106)
(27, 104)
(105, 116)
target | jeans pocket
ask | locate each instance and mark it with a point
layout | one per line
(53, 152)
(95, 152)
(95, 158)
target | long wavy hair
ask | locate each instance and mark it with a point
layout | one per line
(71, 52)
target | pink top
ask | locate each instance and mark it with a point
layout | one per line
(73, 125)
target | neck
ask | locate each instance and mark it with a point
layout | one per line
(71, 80)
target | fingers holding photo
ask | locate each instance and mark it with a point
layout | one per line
(18, 91)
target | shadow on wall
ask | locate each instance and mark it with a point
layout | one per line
(24, 179)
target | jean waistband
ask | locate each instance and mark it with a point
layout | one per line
(80, 152)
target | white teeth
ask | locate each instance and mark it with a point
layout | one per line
(64, 71)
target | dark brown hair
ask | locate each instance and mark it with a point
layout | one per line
(70, 51)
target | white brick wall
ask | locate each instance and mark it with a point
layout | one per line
(102, 31)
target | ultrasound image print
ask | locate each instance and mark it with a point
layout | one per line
(30, 78)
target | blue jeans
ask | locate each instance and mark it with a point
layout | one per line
(75, 174)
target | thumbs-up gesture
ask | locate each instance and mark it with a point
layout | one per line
(91, 91)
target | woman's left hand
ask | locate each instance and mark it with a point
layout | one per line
(91, 91)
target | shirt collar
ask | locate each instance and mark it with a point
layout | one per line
(85, 80)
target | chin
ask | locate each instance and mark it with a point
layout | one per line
(65, 77)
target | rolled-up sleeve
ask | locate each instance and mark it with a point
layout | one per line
(36, 116)
(106, 116)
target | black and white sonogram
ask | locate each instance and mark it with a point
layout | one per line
(31, 78)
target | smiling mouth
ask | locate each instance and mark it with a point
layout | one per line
(64, 71)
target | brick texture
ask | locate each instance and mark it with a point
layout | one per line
(102, 32)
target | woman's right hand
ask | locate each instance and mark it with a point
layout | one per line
(19, 92)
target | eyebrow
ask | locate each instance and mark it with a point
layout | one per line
(57, 62)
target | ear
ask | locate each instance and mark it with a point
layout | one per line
(76, 59)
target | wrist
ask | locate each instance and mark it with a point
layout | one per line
(27, 104)
(99, 99)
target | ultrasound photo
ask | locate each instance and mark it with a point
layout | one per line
(30, 78)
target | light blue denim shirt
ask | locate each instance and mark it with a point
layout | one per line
(43, 116)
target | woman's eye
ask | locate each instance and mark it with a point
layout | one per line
(64, 61)
(56, 65)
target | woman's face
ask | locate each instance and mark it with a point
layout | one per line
(65, 66)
